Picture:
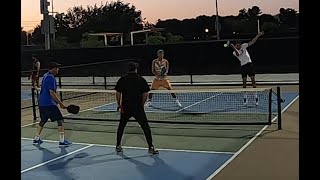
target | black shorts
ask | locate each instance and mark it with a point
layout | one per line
(50, 112)
(138, 113)
(247, 70)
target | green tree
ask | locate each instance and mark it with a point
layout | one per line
(60, 43)
(243, 14)
(288, 18)
(156, 40)
(23, 37)
(37, 37)
(88, 41)
(270, 27)
(112, 17)
(170, 38)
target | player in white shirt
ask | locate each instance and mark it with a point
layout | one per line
(240, 51)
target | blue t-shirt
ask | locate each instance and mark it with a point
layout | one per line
(48, 83)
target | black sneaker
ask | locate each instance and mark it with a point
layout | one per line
(153, 151)
(118, 149)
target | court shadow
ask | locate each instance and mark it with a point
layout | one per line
(84, 159)
(58, 169)
(159, 169)
(27, 147)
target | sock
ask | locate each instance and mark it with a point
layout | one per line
(245, 98)
(37, 137)
(61, 135)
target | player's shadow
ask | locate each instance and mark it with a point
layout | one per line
(59, 167)
(159, 169)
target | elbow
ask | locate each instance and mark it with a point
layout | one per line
(52, 93)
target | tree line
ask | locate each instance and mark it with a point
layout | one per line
(73, 26)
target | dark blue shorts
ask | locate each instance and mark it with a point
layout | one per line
(50, 112)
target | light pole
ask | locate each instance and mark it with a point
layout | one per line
(54, 33)
(217, 21)
(46, 19)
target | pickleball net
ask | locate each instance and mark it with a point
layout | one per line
(199, 106)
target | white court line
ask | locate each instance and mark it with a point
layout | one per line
(44, 163)
(248, 143)
(131, 147)
(199, 102)
(28, 125)
(108, 110)
(24, 99)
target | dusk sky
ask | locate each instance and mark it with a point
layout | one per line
(153, 10)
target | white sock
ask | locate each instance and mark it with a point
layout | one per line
(61, 135)
(37, 137)
(256, 95)
(245, 96)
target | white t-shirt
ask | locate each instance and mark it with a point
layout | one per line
(244, 56)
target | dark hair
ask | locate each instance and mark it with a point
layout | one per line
(53, 65)
(237, 42)
(133, 66)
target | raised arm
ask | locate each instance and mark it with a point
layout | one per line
(255, 38)
(235, 50)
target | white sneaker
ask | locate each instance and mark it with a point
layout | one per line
(147, 104)
(179, 104)
(245, 102)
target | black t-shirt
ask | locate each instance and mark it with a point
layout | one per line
(132, 86)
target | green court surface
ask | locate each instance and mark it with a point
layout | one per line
(222, 138)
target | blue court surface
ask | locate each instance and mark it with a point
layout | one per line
(25, 95)
(210, 103)
(100, 162)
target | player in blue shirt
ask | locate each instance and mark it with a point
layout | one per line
(48, 108)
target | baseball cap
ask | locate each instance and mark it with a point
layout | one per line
(53, 65)
(160, 51)
(133, 66)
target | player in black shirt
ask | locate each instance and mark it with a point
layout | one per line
(132, 92)
(35, 72)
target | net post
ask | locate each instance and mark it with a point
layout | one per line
(93, 80)
(191, 80)
(33, 104)
(60, 85)
(105, 81)
(270, 106)
(279, 108)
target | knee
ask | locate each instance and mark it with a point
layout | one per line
(60, 122)
(42, 123)
(145, 126)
